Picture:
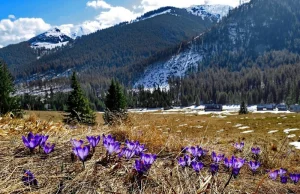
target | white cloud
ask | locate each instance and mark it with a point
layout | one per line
(98, 4)
(1, 46)
(21, 29)
(11, 17)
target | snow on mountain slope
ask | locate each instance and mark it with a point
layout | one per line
(50, 39)
(159, 73)
(214, 11)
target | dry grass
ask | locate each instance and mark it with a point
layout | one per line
(163, 134)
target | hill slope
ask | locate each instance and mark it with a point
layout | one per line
(249, 31)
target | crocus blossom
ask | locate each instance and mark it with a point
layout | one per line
(283, 179)
(228, 162)
(148, 159)
(28, 178)
(214, 168)
(239, 146)
(196, 151)
(254, 165)
(32, 141)
(295, 178)
(127, 153)
(76, 143)
(255, 150)
(44, 138)
(140, 167)
(237, 164)
(273, 174)
(185, 161)
(282, 171)
(93, 140)
(82, 152)
(197, 166)
(217, 158)
(48, 148)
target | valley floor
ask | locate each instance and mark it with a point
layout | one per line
(278, 136)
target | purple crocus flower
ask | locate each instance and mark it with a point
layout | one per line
(48, 148)
(255, 150)
(254, 165)
(148, 159)
(282, 171)
(239, 146)
(76, 143)
(295, 178)
(113, 147)
(32, 141)
(217, 158)
(29, 179)
(82, 152)
(44, 138)
(228, 162)
(237, 164)
(214, 168)
(108, 139)
(283, 179)
(141, 167)
(93, 140)
(185, 161)
(127, 153)
(197, 166)
(273, 174)
(196, 151)
(135, 146)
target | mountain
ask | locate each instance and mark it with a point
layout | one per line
(247, 33)
(50, 40)
(123, 51)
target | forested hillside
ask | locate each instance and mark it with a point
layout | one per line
(252, 55)
(114, 52)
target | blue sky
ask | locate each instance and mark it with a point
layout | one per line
(21, 20)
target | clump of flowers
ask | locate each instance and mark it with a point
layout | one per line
(144, 164)
(112, 146)
(29, 179)
(31, 141)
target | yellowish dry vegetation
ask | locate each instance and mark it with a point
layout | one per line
(163, 134)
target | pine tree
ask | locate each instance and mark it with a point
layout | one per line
(243, 109)
(8, 103)
(115, 103)
(78, 105)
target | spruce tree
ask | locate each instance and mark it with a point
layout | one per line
(115, 103)
(8, 102)
(78, 105)
(243, 109)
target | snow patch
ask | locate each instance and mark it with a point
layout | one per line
(287, 131)
(273, 131)
(159, 73)
(250, 131)
(211, 11)
(296, 144)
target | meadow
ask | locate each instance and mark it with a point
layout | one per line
(164, 134)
